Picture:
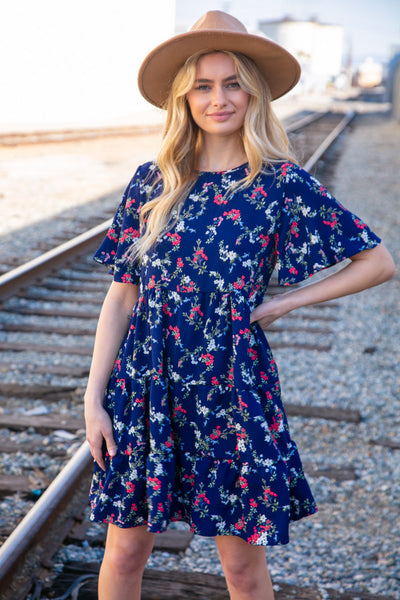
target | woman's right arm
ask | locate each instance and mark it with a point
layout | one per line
(112, 327)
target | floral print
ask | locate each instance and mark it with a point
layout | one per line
(194, 395)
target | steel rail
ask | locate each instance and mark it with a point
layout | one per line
(322, 148)
(51, 515)
(14, 280)
(304, 121)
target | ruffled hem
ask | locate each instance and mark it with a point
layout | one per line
(214, 496)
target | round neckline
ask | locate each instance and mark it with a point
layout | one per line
(223, 172)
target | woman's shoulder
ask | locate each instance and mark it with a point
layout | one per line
(146, 171)
(286, 171)
(292, 178)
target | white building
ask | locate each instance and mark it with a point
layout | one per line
(317, 46)
(73, 63)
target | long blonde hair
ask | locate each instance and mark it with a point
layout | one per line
(263, 137)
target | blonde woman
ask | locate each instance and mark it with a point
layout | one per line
(183, 408)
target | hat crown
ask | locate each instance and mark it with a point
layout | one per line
(218, 20)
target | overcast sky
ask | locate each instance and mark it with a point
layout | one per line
(371, 26)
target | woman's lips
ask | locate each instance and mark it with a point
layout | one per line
(220, 116)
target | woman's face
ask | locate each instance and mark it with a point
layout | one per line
(217, 102)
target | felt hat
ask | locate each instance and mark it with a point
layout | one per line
(216, 30)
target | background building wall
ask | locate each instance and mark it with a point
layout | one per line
(318, 47)
(74, 63)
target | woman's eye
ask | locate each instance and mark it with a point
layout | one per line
(203, 87)
(233, 85)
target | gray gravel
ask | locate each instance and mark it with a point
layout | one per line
(352, 543)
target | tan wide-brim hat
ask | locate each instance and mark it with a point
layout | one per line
(216, 30)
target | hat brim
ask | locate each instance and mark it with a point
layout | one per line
(157, 72)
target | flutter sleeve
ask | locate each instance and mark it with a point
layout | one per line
(315, 231)
(124, 230)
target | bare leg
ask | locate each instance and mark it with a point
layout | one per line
(125, 558)
(245, 569)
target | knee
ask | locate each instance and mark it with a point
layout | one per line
(240, 576)
(127, 556)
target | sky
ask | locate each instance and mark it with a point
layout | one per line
(371, 27)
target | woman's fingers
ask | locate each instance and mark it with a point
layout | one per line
(100, 430)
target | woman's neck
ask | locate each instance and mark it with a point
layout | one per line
(220, 154)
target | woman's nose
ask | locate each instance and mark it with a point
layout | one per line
(218, 96)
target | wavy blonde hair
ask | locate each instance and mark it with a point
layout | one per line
(263, 137)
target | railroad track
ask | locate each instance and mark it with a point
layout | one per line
(49, 308)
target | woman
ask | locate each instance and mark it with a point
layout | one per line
(191, 425)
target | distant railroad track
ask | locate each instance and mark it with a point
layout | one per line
(49, 306)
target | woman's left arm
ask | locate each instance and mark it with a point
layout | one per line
(366, 269)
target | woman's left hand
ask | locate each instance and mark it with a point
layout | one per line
(267, 312)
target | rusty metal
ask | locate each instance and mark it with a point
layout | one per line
(50, 517)
(12, 281)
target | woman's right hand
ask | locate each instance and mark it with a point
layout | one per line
(98, 429)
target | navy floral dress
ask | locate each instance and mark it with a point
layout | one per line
(194, 395)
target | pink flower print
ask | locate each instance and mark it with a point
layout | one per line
(253, 539)
(130, 487)
(214, 381)
(275, 424)
(216, 433)
(239, 283)
(333, 222)
(293, 229)
(264, 376)
(243, 404)
(253, 503)
(179, 262)
(200, 497)
(155, 483)
(175, 238)
(208, 359)
(293, 270)
(196, 309)
(253, 353)
(130, 202)
(190, 478)
(111, 234)
(230, 377)
(240, 524)
(166, 310)
(259, 190)
(322, 190)
(267, 493)
(199, 253)
(128, 451)
(121, 383)
(235, 315)
(218, 199)
(126, 278)
(152, 282)
(188, 288)
(242, 482)
(265, 240)
(359, 224)
(233, 214)
(179, 409)
(110, 520)
(175, 332)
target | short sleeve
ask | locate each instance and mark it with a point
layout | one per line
(125, 229)
(316, 231)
